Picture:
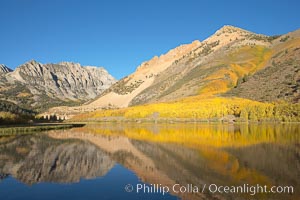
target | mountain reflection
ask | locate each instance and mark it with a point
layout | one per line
(33, 159)
(161, 154)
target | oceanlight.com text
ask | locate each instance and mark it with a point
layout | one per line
(211, 188)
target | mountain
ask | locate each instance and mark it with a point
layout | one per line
(219, 64)
(207, 68)
(232, 62)
(39, 86)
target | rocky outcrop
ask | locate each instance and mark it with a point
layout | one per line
(64, 80)
(39, 85)
(4, 69)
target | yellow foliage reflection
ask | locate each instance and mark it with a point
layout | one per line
(198, 136)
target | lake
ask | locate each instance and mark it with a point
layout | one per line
(153, 161)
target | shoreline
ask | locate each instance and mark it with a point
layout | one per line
(121, 120)
(31, 128)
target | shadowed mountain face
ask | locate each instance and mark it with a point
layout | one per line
(281, 163)
(39, 86)
(34, 159)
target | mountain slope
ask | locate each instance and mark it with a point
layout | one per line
(210, 67)
(38, 86)
(280, 79)
(218, 66)
(122, 92)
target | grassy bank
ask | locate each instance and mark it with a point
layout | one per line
(12, 118)
(23, 129)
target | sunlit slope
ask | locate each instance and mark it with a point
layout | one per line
(215, 77)
(237, 64)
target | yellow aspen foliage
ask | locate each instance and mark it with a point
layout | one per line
(199, 108)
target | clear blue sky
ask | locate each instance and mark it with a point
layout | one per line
(121, 34)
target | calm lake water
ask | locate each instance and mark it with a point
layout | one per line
(177, 161)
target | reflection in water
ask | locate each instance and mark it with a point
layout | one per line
(162, 154)
(33, 159)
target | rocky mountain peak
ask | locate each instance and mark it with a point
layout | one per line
(56, 83)
(78, 66)
(230, 29)
(30, 64)
(33, 62)
(4, 69)
(233, 37)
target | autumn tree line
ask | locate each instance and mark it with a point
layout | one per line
(201, 109)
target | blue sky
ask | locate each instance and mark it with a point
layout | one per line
(119, 34)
